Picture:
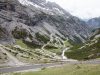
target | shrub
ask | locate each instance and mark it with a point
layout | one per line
(43, 68)
(19, 33)
(42, 38)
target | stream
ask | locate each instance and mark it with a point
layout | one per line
(63, 54)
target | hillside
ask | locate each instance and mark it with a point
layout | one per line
(34, 21)
(90, 50)
(37, 31)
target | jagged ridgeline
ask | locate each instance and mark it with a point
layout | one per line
(42, 28)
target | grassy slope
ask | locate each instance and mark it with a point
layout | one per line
(82, 69)
(20, 42)
(84, 53)
(58, 51)
(88, 52)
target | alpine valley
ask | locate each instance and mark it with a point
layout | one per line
(39, 31)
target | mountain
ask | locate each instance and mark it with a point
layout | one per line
(22, 19)
(89, 50)
(94, 23)
(37, 31)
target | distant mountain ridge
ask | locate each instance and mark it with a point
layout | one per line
(94, 23)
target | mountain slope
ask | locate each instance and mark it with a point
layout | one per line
(40, 29)
(29, 17)
(90, 50)
(94, 23)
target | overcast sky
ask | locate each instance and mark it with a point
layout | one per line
(84, 9)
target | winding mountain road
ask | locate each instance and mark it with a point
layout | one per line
(33, 67)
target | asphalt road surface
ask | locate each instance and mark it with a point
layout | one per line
(39, 66)
(28, 67)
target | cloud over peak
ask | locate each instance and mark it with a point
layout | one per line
(84, 9)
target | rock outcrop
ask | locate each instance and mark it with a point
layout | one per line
(22, 19)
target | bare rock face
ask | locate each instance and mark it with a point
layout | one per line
(5, 36)
(22, 19)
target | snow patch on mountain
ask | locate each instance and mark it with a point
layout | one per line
(26, 2)
(44, 7)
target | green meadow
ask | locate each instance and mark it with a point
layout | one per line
(69, 69)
